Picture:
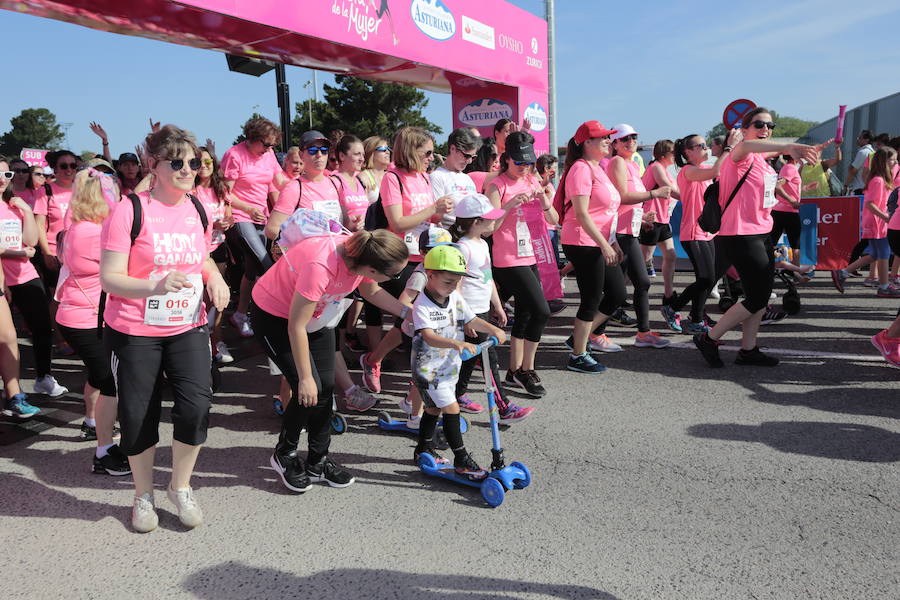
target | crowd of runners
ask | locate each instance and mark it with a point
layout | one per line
(135, 264)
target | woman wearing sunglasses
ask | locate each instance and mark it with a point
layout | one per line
(296, 306)
(486, 163)
(36, 182)
(50, 206)
(22, 175)
(250, 169)
(514, 264)
(743, 238)
(156, 320)
(377, 161)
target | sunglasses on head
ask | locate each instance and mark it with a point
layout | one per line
(177, 164)
(523, 163)
(383, 149)
(7, 174)
(313, 150)
(760, 124)
(63, 166)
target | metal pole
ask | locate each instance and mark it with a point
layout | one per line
(315, 85)
(284, 106)
(551, 73)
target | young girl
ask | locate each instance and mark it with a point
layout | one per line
(659, 235)
(475, 217)
(440, 316)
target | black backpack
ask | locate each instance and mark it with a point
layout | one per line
(710, 219)
(375, 217)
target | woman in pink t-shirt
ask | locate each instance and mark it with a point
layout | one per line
(296, 306)
(625, 175)
(377, 162)
(659, 233)
(591, 206)
(743, 238)
(514, 264)
(78, 317)
(50, 206)
(486, 164)
(156, 322)
(693, 179)
(786, 213)
(22, 176)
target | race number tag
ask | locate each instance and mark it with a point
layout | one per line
(769, 190)
(175, 308)
(636, 217)
(11, 234)
(612, 228)
(411, 238)
(523, 240)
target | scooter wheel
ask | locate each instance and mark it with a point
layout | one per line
(384, 417)
(338, 424)
(525, 481)
(492, 491)
(791, 303)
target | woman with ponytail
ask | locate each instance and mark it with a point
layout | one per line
(296, 306)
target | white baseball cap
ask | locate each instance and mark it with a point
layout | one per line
(622, 130)
(477, 205)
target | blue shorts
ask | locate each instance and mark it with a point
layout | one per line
(879, 248)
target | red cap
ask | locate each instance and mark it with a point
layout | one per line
(591, 129)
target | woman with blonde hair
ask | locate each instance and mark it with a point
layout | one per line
(377, 161)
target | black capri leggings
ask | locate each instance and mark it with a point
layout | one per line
(894, 240)
(272, 331)
(137, 362)
(786, 222)
(88, 344)
(601, 287)
(752, 256)
(703, 258)
(373, 315)
(532, 312)
(32, 301)
(249, 240)
(468, 366)
(636, 269)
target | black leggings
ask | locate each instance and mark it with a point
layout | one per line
(752, 256)
(703, 258)
(465, 371)
(32, 301)
(786, 222)
(894, 240)
(88, 344)
(249, 240)
(532, 312)
(373, 316)
(601, 287)
(636, 269)
(272, 332)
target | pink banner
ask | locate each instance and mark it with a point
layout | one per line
(34, 156)
(543, 250)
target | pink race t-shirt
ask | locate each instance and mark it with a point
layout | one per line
(216, 208)
(79, 293)
(512, 240)
(478, 178)
(630, 215)
(313, 269)
(171, 239)
(252, 174)
(660, 205)
(16, 269)
(873, 226)
(28, 195)
(416, 196)
(352, 195)
(54, 208)
(585, 179)
(316, 195)
(691, 207)
(791, 176)
(750, 211)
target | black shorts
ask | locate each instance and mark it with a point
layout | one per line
(651, 237)
(220, 254)
(137, 363)
(88, 344)
(784, 222)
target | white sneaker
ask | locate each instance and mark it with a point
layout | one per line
(601, 343)
(405, 404)
(413, 422)
(359, 399)
(241, 322)
(143, 514)
(222, 354)
(48, 385)
(773, 296)
(188, 510)
(714, 294)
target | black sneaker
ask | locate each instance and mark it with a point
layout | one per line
(772, 316)
(510, 379)
(529, 380)
(620, 317)
(353, 344)
(114, 463)
(709, 348)
(556, 306)
(468, 468)
(88, 433)
(326, 470)
(292, 471)
(755, 357)
(709, 321)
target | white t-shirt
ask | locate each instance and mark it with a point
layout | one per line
(858, 163)
(435, 368)
(477, 289)
(449, 183)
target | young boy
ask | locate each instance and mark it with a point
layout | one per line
(440, 316)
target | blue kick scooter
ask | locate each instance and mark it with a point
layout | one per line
(501, 478)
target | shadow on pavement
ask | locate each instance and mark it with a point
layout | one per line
(234, 580)
(841, 441)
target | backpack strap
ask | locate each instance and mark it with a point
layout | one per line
(201, 212)
(138, 218)
(736, 188)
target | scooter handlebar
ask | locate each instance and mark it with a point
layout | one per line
(491, 341)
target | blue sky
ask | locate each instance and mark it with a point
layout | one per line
(665, 69)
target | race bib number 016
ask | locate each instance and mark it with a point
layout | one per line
(176, 308)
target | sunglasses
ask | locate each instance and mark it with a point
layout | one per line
(383, 149)
(695, 146)
(469, 157)
(428, 153)
(38, 173)
(207, 162)
(761, 124)
(7, 174)
(523, 163)
(392, 276)
(629, 138)
(22, 171)
(268, 146)
(313, 150)
(64, 166)
(177, 164)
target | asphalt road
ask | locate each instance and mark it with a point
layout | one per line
(660, 478)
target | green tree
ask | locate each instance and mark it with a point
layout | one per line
(786, 127)
(32, 128)
(363, 108)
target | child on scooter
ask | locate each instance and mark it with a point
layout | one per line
(440, 316)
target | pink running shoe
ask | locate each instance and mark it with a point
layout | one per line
(371, 374)
(468, 405)
(889, 347)
(650, 339)
(515, 413)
